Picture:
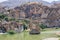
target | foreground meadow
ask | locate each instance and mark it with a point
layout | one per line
(26, 36)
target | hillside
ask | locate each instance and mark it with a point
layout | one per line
(14, 3)
(48, 15)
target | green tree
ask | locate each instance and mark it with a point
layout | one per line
(25, 23)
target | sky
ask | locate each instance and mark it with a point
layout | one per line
(50, 0)
(2, 0)
(43, 0)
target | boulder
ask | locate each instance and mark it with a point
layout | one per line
(34, 31)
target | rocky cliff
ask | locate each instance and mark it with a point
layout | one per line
(49, 15)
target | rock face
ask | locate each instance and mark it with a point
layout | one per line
(48, 15)
(7, 26)
(2, 9)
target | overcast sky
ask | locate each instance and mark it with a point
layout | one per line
(2, 0)
(44, 0)
(50, 0)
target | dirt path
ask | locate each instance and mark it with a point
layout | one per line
(51, 39)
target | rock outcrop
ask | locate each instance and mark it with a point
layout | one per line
(48, 15)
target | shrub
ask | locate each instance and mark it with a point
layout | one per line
(17, 20)
(25, 24)
(12, 19)
(25, 27)
(2, 16)
(6, 19)
(43, 26)
(26, 21)
(56, 27)
(11, 32)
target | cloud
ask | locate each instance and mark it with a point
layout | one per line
(2, 0)
(50, 0)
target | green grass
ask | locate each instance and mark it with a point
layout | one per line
(12, 37)
(26, 36)
(38, 37)
(51, 29)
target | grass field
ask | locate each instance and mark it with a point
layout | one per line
(11, 37)
(39, 37)
(26, 36)
(51, 29)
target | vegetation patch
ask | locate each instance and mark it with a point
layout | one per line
(11, 32)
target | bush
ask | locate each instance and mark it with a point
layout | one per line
(43, 26)
(6, 19)
(56, 27)
(25, 24)
(25, 27)
(2, 16)
(17, 20)
(12, 19)
(11, 32)
(26, 21)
